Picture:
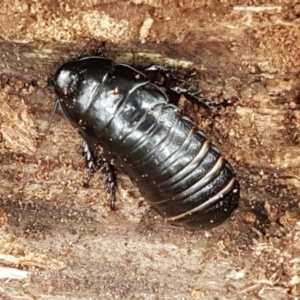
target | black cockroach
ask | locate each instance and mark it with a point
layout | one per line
(116, 109)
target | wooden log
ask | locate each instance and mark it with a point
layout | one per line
(51, 223)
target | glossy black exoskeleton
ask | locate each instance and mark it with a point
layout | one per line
(117, 109)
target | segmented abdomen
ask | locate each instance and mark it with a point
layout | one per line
(180, 173)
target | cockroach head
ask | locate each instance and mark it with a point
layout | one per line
(65, 81)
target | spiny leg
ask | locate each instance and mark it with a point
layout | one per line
(97, 51)
(175, 84)
(110, 180)
(90, 161)
(95, 162)
(194, 98)
(100, 49)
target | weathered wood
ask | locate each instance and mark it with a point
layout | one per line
(249, 54)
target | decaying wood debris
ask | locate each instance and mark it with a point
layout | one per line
(60, 240)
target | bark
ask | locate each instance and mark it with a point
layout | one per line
(57, 229)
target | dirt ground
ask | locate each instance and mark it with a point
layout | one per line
(59, 240)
